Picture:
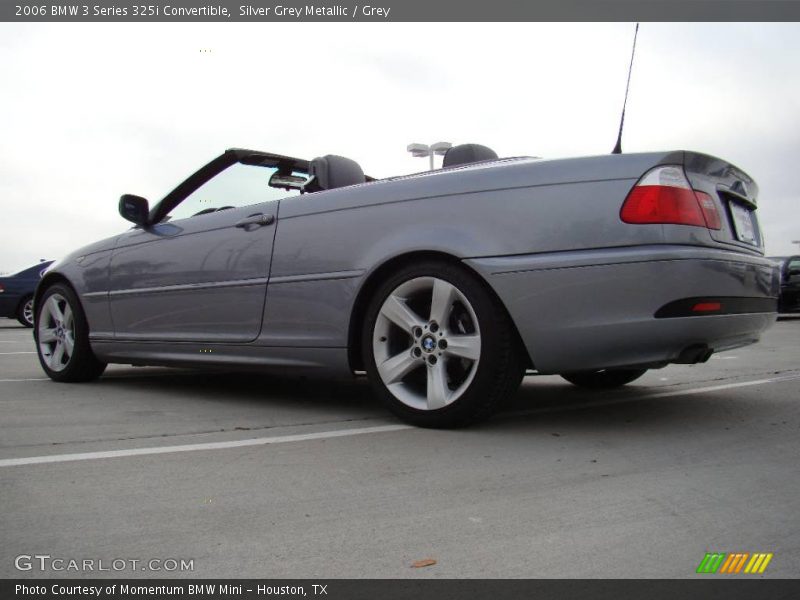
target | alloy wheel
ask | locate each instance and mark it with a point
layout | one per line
(27, 311)
(426, 343)
(56, 332)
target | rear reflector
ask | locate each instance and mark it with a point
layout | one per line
(707, 307)
(664, 195)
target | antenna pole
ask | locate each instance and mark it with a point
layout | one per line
(618, 148)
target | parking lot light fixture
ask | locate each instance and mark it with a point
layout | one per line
(423, 150)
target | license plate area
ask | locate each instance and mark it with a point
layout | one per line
(743, 223)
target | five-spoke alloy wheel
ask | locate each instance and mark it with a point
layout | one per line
(62, 337)
(438, 347)
(56, 332)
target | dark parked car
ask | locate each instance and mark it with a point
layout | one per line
(789, 300)
(16, 293)
(444, 286)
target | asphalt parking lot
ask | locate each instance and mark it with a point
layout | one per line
(638, 482)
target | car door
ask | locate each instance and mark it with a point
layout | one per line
(200, 274)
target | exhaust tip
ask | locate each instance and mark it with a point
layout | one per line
(694, 354)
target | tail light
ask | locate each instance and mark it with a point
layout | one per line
(664, 195)
(2, 289)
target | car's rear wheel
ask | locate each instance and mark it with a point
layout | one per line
(438, 348)
(62, 337)
(25, 312)
(603, 378)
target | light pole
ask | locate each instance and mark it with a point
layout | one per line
(423, 150)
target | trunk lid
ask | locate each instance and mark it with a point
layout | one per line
(735, 195)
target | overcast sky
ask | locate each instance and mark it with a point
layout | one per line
(91, 111)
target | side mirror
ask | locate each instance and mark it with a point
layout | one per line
(134, 209)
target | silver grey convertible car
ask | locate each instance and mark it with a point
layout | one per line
(445, 287)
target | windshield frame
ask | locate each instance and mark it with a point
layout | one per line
(217, 166)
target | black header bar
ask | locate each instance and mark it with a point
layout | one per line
(398, 10)
(708, 587)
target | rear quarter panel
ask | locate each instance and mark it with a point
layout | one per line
(327, 244)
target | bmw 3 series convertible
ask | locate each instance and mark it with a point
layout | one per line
(446, 287)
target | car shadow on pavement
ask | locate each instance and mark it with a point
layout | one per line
(547, 404)
(241, 389)
(551, 407)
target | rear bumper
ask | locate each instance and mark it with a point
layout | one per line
(596, 309)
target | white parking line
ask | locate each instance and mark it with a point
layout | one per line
(723, 386)
(33, 352)
(322, 435)
(301, 437)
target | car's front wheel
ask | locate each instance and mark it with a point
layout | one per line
(25, 312)
(604, 378)
(438, 348)
(62, 337)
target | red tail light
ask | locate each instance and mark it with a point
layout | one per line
(664, 195)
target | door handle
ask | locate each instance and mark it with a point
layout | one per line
(259, 220)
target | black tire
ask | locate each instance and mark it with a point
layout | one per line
(494, 376)
(82, 364)
(603, 379)
(25, 312)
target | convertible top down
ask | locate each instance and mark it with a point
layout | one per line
(446, 287)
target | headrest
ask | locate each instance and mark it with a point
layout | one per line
(467, 153)
(331, 171)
